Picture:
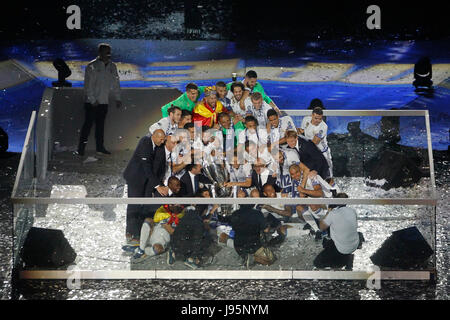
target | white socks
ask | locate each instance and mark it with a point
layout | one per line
(145, 234)
(307, 215)
(149, 251)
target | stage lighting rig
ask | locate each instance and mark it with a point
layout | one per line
(63, 73)
(423, 73)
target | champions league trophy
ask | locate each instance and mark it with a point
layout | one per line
(219, 175)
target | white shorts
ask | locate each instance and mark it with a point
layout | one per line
(327, 155)
(159, 236)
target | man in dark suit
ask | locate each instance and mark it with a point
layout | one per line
(164, 162)
(309, 154)
(146, 223)
(262, 175)
(140, 178)
(190, 181)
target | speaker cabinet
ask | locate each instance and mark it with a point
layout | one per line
(47, 248)
(404, 249)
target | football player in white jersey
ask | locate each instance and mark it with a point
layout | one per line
(240, 174)
(168, 124)
(186, 117)
(278, 127)
(235, 95)
(315, 187)
(312, 188)
(182, 152)
(212, 145)
(257, 107)
(329, 187)
(315, 129)
(257, 136)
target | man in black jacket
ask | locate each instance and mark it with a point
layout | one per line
(262, 175)
(190, 181)
(164, 162)
(191, 240)
(309, 154)
(140, 179)
(248, 224)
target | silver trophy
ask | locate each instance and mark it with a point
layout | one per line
(219, 175)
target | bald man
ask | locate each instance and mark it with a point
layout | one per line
(141, 181)
(165, 163)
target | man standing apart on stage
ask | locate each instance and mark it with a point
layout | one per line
(100, 79)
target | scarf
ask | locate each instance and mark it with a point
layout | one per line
(173, 217)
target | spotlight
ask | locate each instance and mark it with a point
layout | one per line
(423, 73)
(63, 73)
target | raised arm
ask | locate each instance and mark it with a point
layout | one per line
(246, 184)
(305, 172)
(286, 212)
(316, 193)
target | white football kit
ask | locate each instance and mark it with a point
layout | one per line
(240, 174)
(320, 131)
(283, 177)
(165, 125)
(235, 105)
(284, 124)
(260, 114)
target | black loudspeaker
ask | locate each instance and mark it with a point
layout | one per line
(4, 144)
(47, 248)
(404, 249)
(396, 169)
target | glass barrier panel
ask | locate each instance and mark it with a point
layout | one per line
(26, 171)
(388, 153)
(98, 235)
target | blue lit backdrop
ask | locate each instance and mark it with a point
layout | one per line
(344, 75)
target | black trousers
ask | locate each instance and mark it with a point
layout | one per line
(272, 222)
(192, 244)
(136, 213)
(330, 256)
(93, 114)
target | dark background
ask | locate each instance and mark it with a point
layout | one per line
(227, 20)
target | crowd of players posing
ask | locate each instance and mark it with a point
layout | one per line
(235, 127)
